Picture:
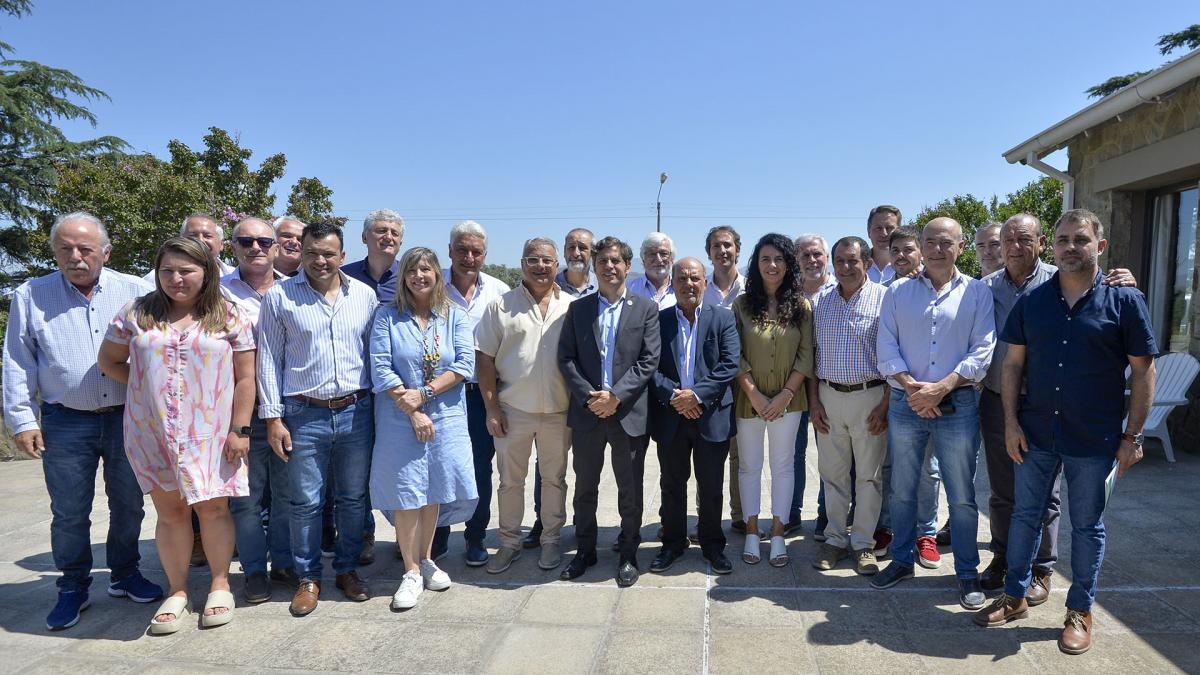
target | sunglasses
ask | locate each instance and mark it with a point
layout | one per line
(263, 242)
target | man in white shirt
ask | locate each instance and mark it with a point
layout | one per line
(658, 255)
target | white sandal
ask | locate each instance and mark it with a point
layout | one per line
(217, 599)
(177, 605)
(779, 554)
(750, 554)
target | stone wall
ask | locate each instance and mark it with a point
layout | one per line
(1139, 128)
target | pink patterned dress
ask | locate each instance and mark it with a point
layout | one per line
(180, 404)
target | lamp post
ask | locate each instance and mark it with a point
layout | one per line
(662, 178)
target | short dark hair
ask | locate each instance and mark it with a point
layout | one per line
(904, 234)
(321, 229)
(737, 238)
(885, 208)
(863, 248)
(613, 242)
(1082, 216)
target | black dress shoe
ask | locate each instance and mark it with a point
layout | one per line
(577, 566)
(534, 538)
(627, 574)
(720, 564)
(992, 578)
(665, 558)
(943, 535)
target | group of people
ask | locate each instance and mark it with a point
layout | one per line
(293, 384)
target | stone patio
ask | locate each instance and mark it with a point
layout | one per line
(759, 619)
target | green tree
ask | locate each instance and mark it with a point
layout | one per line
(1188, 38)
(970, 212)
(312, 200)
(143, 199)
(509, 275)
(33, 98)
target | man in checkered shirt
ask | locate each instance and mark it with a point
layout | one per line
(848, 406)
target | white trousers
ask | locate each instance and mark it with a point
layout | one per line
(757, 438)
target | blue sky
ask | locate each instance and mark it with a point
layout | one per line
(536, 117)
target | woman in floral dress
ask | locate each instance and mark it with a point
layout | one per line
(187, 355)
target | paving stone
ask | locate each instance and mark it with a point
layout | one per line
(62, 663)
(543, 649)
(635, 650)
(776, 650)
(243, 642)
(478, 604)
(844, 651)
(436, 648)
(846, 611)
(570, 606)
(660, 608)
(1110, 653)
(332, 644)
(993, 651)
(754, 609)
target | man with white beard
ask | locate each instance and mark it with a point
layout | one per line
(576, 277)
(658, 255)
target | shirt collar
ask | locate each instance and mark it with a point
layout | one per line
(105, 274)
(604, 303)
(303, 277)
(683, 319)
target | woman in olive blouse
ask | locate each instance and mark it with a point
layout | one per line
(774, 321)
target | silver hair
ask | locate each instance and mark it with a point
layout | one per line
(286, 219)
(538, 241)
(234, 233)
(989, 225)
(383, 216)
(806, 239)
(198, 214)
(85, 216)
(468, 228)
(655, 239)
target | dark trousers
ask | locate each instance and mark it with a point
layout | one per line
(483, 452)
(676, 459)
(628, 466)
(1002, 479)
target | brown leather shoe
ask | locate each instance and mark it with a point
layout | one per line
(1077, 632)
(353, 587)
(305, 599)
(1039, 588)
(1004, 609)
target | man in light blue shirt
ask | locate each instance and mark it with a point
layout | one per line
(314, 392)
(936, 336)
(55, 327)
(658, 256)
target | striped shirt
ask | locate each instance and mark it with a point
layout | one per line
(243, 294)
(50, 346)
(307, 346)
(846, 332)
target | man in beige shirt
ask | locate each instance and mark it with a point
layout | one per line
(525, 397)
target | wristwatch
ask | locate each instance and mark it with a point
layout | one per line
(240, 431)
(1136, 439)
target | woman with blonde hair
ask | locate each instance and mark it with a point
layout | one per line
(422, 348)
(187, 355)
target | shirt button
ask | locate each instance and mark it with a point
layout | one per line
(1064, 342)
(1055, 412)
(1056, 389)
(1060, 365)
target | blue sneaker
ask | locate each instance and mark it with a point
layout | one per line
(66, 613)
(477, 555)
(135, 587)
(891, 575)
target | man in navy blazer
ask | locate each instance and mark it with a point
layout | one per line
(691, 414)
(608, 353)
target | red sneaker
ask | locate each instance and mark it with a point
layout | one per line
(927, 553)
(883, 542)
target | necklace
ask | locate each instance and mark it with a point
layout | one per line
(431, 353)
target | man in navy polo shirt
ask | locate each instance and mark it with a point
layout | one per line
(1070, 340)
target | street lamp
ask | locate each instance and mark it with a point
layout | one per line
(662, 178)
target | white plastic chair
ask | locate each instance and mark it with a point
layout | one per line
(1174, 373)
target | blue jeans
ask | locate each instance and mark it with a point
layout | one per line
(955, 444)
(927, 494)
(800, 478)
(1085, 478)
(328, 445)
(483, 452)
(75, 443)
(268, 476)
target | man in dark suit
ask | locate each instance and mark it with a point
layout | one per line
(690, 414)
(608, 353)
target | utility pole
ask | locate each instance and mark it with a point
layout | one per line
(662, 178)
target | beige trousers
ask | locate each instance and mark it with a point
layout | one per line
(553, 438)
(849, 443)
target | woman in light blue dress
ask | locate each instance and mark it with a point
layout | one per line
(422, 348)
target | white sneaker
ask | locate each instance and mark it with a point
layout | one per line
(410, 590)
(435, 578)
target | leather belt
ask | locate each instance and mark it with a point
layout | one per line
(334, 403)
(861, 386)
(98, 411)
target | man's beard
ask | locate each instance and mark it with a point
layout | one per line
(576, 266)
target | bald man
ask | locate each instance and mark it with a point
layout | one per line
(936, 336)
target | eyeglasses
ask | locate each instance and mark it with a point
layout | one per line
(263, 242)
(537, 260)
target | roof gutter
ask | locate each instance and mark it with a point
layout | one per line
(1147, 89)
